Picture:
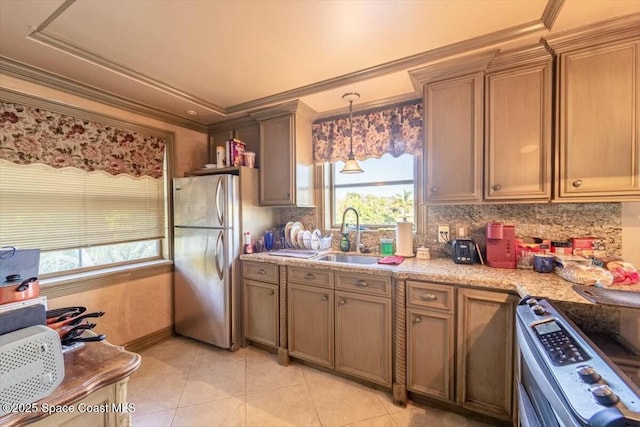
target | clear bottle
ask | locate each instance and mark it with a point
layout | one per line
(344, 240)
(248, 247)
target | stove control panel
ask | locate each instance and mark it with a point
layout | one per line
(561, 348)
(584, 376)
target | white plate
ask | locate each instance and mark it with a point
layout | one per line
(315, 239)
(300, 239)
(306, 239)
(295, 229)
(287, 233)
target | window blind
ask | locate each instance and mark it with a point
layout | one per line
(62, 208)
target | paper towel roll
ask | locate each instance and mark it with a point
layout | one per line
(404, 239)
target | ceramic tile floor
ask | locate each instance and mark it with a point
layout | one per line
(182, 382)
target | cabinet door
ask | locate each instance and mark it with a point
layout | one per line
(485, 351)
(260, 315)
(454, 123)
(277, 171)
(363, 336)
(599, 116)
(518, 134)
(430, 347)
(310, 317)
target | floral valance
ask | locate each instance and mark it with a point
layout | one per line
(33, 135)
(395, 130)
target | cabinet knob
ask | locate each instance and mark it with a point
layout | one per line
(271, 292)
(435, 189)
(361, 283)
(428, 297)
(325, 298)
(262, 271)
(417, 319)
(497, 187)
(577, 183)
(343, 301)
(309, 276)
(286, 195)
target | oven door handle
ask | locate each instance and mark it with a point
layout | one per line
(557, 401)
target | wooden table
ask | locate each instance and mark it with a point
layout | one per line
(93, 392)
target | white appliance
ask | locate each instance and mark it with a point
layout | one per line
(211, 212)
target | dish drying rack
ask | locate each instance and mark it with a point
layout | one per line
(324, 243)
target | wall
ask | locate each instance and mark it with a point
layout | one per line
(140, 307)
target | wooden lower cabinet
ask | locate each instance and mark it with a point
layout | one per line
(310, 323)
(261, 312)
(105, 407)
(485, 352)
(363, 336)
(430, 353)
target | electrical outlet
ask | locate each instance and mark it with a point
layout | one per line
(461, 230)
(443, 233)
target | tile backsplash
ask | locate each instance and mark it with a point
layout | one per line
(547, 220)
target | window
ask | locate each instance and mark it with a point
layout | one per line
(382, 195)
(80, 220)
(88, 191)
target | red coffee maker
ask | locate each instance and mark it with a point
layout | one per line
(501, 245)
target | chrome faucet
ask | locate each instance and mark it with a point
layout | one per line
(344, 214)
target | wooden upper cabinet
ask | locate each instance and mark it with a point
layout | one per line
(598, 87)
(454, 139)
(286, 172)
(517, 148)
(453, 98)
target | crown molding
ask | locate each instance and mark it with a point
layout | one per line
(232, 124)
(551, 12)
(612, 30)
(529, 55)
(450, 69)
(296, 107)
(458, 48)
(44, 78)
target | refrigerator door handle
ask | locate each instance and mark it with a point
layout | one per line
(219, 251)
(220, 201)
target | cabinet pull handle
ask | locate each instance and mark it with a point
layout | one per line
(309, 276)
(428, 297)
(435, 189)
(325, 298)
(497, 187)
(271, 292)
(262, 271)
(343, 301)
(418, 319)
(577, 183)
(362, 283)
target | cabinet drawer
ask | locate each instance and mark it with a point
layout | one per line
(364, 283)
(310, 276)
(261, 271)
(430, 295)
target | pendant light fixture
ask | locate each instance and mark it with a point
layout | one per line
(351, 165)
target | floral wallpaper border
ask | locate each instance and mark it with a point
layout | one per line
(396, 130)
(35, 135)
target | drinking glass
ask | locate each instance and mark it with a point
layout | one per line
(268, 240)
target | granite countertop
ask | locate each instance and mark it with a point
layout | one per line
(443, 270)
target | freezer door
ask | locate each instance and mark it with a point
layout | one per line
(204, 201)
(203, 287)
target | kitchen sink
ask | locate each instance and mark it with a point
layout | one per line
(349, 259)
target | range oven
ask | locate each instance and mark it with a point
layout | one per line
(565, 380)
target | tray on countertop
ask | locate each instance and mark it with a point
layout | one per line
(609, 296)
(295, 253)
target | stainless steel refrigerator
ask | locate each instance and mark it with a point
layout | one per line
(208, 225)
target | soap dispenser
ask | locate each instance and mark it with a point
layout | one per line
(344, 241)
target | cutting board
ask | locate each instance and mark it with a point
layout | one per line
(609, 296)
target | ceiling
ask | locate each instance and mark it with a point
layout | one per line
(223, 59)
